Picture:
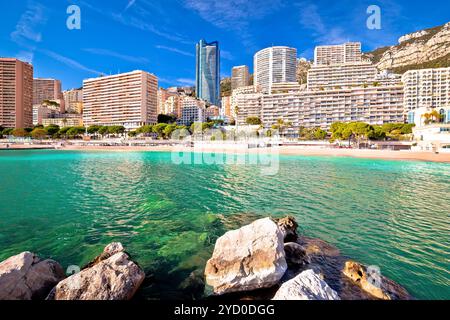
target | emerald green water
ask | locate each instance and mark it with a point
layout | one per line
(69, 205)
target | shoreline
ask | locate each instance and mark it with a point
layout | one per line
(286, 150)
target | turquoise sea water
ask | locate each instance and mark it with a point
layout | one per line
(69, 205)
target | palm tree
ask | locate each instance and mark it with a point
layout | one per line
(281, 125)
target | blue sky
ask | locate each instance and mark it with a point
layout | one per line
(159, 36)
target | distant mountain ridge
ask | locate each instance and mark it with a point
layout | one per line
(429, 48)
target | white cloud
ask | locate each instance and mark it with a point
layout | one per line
(130, 4)
(69, 62)
(139, 20)
(28, 24)
(311, 19)
(226, 55)
(26, 56)
(235, 15)
(185, 82)
(105, 52)
(171, 49)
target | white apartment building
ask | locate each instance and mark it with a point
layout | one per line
(340, 76)
(373, 105)
(338, 54)
(284, 106)
(63, 120)
(193, 110)
(426, 88)
(192, 114)
(247, 105)
(274, 65)
(127, 99)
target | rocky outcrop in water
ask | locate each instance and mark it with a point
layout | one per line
(26, 277)
(250, 264)
(250, 258)
(111, 276)
(372, 282)
(306, 286)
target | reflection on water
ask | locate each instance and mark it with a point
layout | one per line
(68, 205)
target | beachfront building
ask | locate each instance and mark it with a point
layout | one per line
(63, 120)
(169, 101)
(16, 93)
(226, 107)
(432, 133)
(240, 77)
(192, 114)
(274, 65)
(73, 100)
(427, 88)
(341, 76)
(127, 99)
(192, 110)
(41, 112)
(373, 105)
(208, 72)
(48, 90)
(247, 105)
(338, 54)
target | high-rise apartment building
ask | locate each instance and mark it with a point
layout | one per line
(247, 105)
(208, 72)
(240, 77)
(73, 100)
(16, 93)
(340, 76)
(48, 89)
(341, 88)
(193, 110)
(274, 65)
(127, 99)
(338, 54)
(428, 88)
(169, 101)
(226, 107)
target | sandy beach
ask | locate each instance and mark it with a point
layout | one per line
(287, 150)
(291, 150)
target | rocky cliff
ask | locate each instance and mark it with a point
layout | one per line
(428, 48)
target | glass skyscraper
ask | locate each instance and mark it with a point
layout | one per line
(208, 72)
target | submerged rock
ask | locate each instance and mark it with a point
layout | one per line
(308, 285)
(374, 283)
(249, 258)
(26, 277)
(296, 255)
(108, 252)
(107, 278)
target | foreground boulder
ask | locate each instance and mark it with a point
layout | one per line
(111, 276)
(27, 277)
(374, 283)
(250, 258)
(306, 286)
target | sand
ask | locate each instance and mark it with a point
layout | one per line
(289, 150)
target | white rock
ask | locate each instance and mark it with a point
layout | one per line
(26, 277)
(116, 278)
(250, 258)
(306, 286)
